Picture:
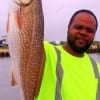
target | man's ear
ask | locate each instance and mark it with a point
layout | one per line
(68, 26)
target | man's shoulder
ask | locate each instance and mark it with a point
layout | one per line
(50, 45)
(47, 43)
(50, 48)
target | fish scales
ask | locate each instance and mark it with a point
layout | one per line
(30, 39)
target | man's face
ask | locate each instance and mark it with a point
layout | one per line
(81, 32)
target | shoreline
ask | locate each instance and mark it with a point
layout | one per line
(4, 52)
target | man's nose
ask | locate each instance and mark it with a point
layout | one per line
(84, 32)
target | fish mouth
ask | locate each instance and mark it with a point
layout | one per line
(23, 2)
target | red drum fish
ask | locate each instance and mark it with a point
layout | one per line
(25, 30)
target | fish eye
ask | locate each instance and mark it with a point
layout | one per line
(23, 2)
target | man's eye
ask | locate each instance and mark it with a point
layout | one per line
(78, 27)
(90, 30)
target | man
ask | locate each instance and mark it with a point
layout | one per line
(69, 73)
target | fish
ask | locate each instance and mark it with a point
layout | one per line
(25, 35)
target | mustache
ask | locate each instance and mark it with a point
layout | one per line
(84, 38)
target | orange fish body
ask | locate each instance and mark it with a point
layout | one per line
(25, 28)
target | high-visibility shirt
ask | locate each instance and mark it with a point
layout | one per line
(79, 81)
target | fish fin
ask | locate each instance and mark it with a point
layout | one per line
(17, 18)
(40, 74)
(7, 24)
(13, 80)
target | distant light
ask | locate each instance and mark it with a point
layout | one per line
(57, 42)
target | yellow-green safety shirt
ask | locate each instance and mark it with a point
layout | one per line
(78, 80)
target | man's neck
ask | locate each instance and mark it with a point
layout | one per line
(67, 48)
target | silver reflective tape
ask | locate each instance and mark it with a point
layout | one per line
(98, 91)
(59, 75)
(95, 68)
(96, 72)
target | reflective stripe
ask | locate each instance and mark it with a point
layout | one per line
(59, 75)
(98, 91)
(95, 68)
(96, 72)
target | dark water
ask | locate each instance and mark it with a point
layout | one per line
(12, 93)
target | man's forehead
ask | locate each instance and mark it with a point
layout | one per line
(83, 16)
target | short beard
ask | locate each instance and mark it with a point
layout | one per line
(72, 44)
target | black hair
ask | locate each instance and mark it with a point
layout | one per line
(83, 11)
